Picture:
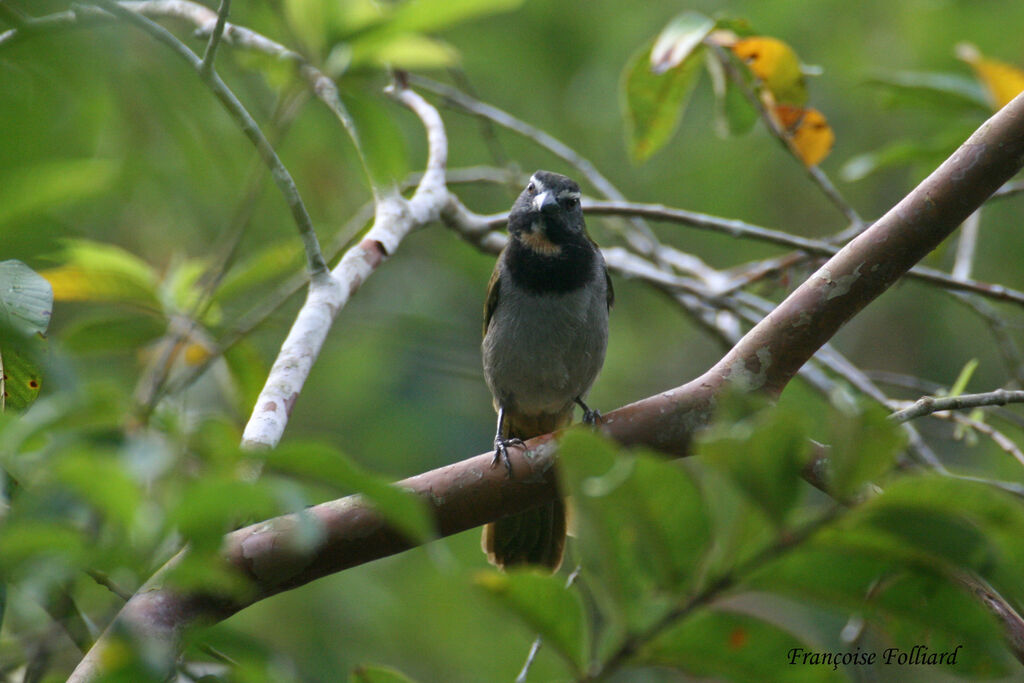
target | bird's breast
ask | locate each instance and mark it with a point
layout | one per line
(541, 351)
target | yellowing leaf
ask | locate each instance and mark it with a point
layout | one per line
(1002, 81)
(75, 283)
(93, 271)
(808, 133)
(776, 65)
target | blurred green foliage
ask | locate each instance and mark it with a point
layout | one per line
(121, 179)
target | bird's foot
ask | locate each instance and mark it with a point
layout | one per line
(501, 452)
(590, 417)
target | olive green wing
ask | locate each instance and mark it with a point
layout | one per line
(493, 291)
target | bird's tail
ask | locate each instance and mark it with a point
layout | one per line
(535, 536)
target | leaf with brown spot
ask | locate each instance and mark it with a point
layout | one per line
(807, 132)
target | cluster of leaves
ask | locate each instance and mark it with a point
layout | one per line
(87, 501)
(701, 566)
(752, 75)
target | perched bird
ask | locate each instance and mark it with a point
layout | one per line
(545, 334)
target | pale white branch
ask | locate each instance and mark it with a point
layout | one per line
(395, 218)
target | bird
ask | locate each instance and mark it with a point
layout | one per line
(545, 337)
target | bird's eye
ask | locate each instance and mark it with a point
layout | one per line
(572, 202)
(531, 188)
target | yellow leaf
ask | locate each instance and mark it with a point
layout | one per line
(76, 283)
(808, 133)
(195, 354)
(1002, 81)
(776, 65)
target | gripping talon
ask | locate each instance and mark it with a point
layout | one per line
(501, 452)
(590, 417)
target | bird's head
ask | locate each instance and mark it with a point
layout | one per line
(547, 215)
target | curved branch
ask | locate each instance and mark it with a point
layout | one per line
(395, 218)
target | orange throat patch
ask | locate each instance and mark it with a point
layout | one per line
(539, 242)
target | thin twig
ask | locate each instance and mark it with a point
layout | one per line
(210, 54)
(930, 404)
(530, 656)
(1003, 442)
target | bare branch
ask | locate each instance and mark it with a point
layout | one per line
(210, 54)
(395, 218)
(928, 405)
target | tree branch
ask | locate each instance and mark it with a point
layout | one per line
(395, 218)
(929, 404)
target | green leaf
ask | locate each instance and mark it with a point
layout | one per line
(424, 16)
(964, 377)
(28, 190)
(26, 299)
(111, 332)
(941, 521)
(678, 40)
(546, 606)
(102, 482)
(369, 673)
(899, 153)
(909, 604)
(654, 103)
(28, 543)
(249, 371)
(208, 508)
(21, 376)
(864, 445)
(641, 523)
(741, 528)
(734, 115)
(406, 511)
(722, 645)
(945, 91)
(264, 267)
(764, 456)
(403, 51)
(96, 272)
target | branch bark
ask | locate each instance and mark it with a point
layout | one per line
(470, 493)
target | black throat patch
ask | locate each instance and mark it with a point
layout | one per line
(568, 269)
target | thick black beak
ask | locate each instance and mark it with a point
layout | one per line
(545, 202)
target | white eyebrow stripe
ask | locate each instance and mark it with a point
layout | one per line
(537, 183)
(568, 194)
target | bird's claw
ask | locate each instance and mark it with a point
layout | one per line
(592, 417)
(501, 452)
